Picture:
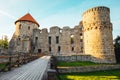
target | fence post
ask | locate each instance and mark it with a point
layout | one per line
(52, 74)
(10, 60)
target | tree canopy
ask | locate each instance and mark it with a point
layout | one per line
(117, 48)
(4, 42)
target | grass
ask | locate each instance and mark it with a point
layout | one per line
(75, 64)
(97, 75)
(2, 65)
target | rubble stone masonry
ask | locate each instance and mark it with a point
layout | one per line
(92, 37)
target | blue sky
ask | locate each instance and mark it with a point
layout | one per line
(53, 13)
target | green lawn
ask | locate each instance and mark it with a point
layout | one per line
(77, 63)
(98, 75)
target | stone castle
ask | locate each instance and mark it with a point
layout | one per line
(93, 36)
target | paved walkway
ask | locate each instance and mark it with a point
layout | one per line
(35, 70)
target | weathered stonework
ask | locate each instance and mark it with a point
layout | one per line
(98, 40)
(3, 51)
(54, 39)
(78, 39)
(66, 40)
(21, 40)
(92, 37)
(87, 68)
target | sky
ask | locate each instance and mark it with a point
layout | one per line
(50, 13)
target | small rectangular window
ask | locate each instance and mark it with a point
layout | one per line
(50, 49)
(57, 39)
(72, 48)
(36, 40)
(49, 40)
(28, 27)
(59, 48)
(19, 39)
(20, 26)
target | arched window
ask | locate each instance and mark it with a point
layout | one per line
(59, 48)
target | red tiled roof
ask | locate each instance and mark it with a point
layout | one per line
(27, 17)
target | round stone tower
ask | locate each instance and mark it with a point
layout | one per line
(25, 25)
(98, 40)
(24, 33)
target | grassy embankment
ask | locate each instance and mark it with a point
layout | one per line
(97, 75)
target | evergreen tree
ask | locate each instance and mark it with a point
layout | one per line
(117, 49)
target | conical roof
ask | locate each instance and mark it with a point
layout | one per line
(27, 17)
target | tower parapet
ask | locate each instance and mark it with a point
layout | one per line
(98, 8)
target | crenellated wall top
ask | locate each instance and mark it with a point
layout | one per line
(98, 8)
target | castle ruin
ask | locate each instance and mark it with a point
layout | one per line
(93, 37)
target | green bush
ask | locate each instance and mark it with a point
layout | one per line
(2, 65)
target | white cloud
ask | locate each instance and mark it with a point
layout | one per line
(7, 14)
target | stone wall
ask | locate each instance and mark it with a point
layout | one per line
(66, 40)
(22, 36)
(54, 39)
(5, 59)
(3, 51)
(36, 40)
(84, 57)
(25, 28)
(87, 68)
(73, 57)
(58, 40)
(45, 46)
(78, 39)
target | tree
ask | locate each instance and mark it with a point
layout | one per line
(117, 48)
(4, 42)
